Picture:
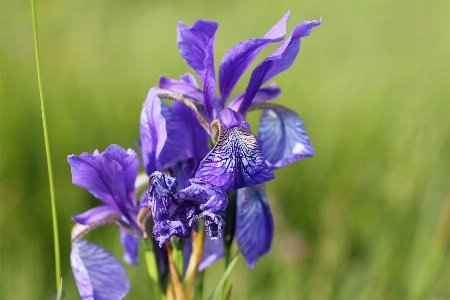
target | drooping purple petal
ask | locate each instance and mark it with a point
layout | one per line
(209, 197)
(280, 60)
(212, 252)
(129, 161)
(263, 94)
(282, 136)
(130, 244)
(196, 46)
(254, 223)
(241, 55)
(186, 85)
(152, 132)
(95, 214)
(235, 161)
(99, 274)
(103, 176)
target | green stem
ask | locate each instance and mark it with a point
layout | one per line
(227, 263)
(199, 286)
(178, 255)
(47, 151)
(152, 269)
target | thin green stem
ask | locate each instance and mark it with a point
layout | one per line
(227, 255)
(47, 151)
(152, 269)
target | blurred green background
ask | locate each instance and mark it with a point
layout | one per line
(366, 218)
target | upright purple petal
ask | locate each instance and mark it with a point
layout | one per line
(241, 55)
(175, 145)
(196, 137)
(130, 244)
(99, 274)
(235, 161)
(282, 136)
(186, 86)
(254, 223)
(263, 94)
(196, 46)
(280, 60)
(152, 131)
(95, 214)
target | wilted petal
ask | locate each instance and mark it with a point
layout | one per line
(152, 132)
(280, 60)
(263, 94)
(241, 55)
(254, 223)
(130, 244)
(180, 223)
(99, 274)
(235, 161)
(282, 136)
(196, 46)
(209, 197)
(160, 195)
(186, 86)
(95, 214)
(214, 223)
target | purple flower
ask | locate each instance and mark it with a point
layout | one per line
(174, 212)
(110, 176)
(239, 160)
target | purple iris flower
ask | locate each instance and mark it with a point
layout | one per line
(239, 161)
(174, 212)
(110, 176)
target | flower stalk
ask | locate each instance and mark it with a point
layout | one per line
(47, 152)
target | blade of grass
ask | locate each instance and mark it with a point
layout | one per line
(47, 151)
(225, 276)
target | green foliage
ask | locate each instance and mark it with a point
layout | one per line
(360, 220)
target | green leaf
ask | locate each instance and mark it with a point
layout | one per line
(225, 276)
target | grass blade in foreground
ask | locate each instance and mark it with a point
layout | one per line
(225, 276)
(47, 151)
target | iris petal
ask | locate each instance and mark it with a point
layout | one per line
(280, 60)
(94, 215)
(152, 132)
(240, 56)
(99, 274)
(103, 176)
(282, 136)
(130, 244)
(209, 197)
(254, 223)
(196, 46)
(263, 94)
(235, 161)
(186, 85)
(175, 145)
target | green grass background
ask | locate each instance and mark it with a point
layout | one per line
(366, 218)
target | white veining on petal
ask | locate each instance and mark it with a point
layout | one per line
(298, 148)
(272, 114)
